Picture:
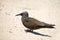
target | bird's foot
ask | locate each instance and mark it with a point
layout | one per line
(29, 30)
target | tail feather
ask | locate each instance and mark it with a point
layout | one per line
(50, 26)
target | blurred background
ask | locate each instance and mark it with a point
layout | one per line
(11, 27)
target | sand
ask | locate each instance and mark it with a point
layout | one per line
(11, 27)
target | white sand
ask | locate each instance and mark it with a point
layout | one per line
(11, 27)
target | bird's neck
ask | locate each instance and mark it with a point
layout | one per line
(24, 18)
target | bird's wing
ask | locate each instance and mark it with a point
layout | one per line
(35, 22)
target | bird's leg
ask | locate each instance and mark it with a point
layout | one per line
(29, 30)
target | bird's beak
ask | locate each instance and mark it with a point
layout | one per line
(18, 14)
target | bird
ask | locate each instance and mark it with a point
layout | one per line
(32, 23)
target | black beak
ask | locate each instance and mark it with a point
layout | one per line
(18, 14)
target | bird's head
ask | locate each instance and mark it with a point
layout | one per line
(25, 14)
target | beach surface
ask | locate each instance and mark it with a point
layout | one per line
(11, 27)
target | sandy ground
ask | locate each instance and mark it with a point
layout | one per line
(11, 27)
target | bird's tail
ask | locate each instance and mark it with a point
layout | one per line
(50, 26)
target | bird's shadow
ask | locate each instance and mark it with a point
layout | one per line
(36, 33)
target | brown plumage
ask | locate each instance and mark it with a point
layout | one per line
(32, 23)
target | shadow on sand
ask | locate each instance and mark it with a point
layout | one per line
(36, 33)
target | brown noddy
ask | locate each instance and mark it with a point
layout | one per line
(32, 23)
